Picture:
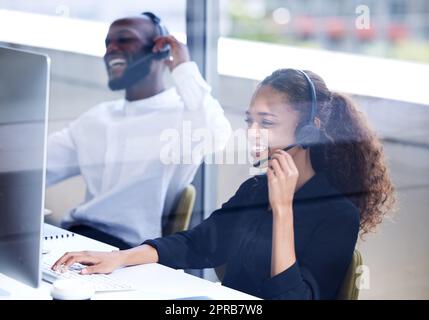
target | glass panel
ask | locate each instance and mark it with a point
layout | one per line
(376, 52)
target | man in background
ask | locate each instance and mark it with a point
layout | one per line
(116, 145)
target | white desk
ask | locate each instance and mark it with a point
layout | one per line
(151, 281)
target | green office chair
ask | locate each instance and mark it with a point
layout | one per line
(182, 215)
(349, 289)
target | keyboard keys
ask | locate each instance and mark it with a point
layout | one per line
(100, 282)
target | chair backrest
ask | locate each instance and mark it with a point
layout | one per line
(183, 212)
(349, 289)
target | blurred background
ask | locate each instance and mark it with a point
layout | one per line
(375, 51)
(397, 29)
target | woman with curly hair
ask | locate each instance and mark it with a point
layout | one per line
(289, 233)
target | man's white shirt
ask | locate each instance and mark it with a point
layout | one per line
(117, 146)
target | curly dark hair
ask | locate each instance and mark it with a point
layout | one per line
(349, 151)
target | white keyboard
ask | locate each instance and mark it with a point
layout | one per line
(100, 282)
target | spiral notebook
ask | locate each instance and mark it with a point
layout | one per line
(57, 241)
(52, 233)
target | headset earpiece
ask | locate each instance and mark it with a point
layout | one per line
(164, 52)
(309, 134)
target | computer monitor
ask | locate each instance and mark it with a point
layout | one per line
(24, 91)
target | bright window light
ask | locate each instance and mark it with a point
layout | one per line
(350, 73)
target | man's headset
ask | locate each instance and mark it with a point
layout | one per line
(162, 54)
(308, 134)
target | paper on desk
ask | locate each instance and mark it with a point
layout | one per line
(56, 247)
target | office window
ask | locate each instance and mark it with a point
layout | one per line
(78, 26)
(396, 28)
(105, 11)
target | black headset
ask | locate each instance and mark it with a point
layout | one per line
(308, 134)
(164, 52)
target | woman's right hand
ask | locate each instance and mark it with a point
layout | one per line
(97, 262)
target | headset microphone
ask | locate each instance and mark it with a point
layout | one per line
(260, 162)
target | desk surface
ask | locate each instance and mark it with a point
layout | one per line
(151, 281)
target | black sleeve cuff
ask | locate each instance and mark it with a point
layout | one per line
(160, 249)
(288, 280)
